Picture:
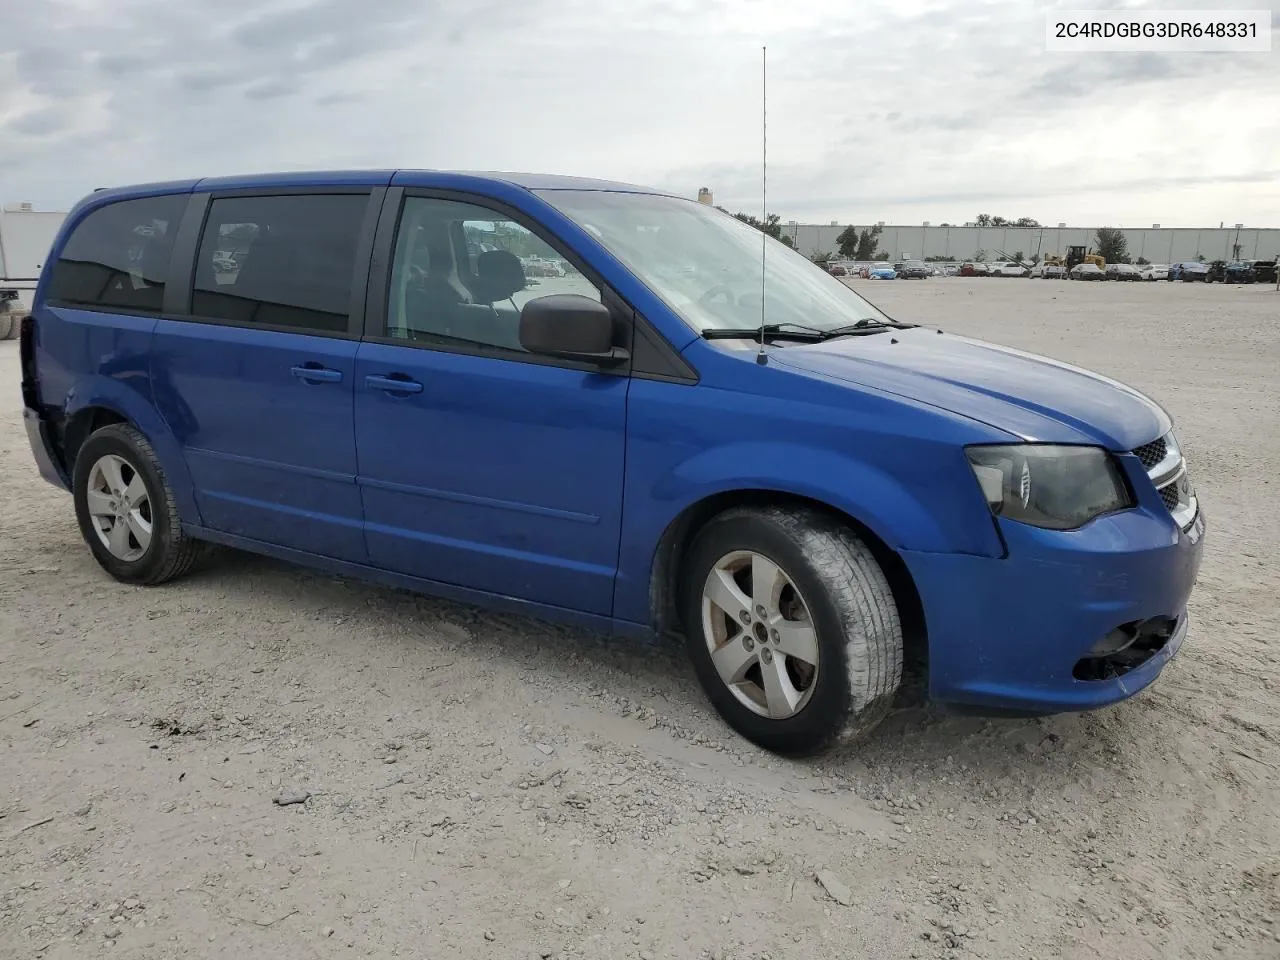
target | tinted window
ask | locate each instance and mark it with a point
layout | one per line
(117, 258)
(279, 261)
(461, 273)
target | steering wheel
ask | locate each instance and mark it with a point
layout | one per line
(719, 290)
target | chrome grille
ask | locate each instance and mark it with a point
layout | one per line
(1152, 453)
(1163, 461)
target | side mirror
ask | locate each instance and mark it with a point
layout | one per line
(571, 326)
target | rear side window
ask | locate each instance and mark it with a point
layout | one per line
(117, 258)
(284, 261)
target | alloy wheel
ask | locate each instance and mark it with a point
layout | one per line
(760, 634)
(119, 507)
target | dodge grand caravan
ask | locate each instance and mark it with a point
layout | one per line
(362, 371)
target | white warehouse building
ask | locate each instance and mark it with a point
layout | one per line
(1155, 243)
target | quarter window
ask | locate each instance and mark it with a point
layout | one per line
(461, 274)
(117, 258)
(284, 261)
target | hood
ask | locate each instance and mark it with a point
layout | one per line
(1033, 398)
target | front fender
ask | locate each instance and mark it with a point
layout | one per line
(858, 489)
(128, 394)
(941, 511)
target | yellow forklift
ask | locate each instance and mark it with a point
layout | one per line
(1081, 254)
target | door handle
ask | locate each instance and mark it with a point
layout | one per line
(393, 384)
(316, 374)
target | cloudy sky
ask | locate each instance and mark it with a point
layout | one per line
(905, 110)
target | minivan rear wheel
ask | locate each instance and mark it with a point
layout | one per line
(792, 628)
(126, 509)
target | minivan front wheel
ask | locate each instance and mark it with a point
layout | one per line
(126, 510)
(792, 628)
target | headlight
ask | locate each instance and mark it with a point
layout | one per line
(1056, 487)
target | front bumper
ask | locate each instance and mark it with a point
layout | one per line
(1010, 633)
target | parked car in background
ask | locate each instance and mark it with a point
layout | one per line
(913, 270)
(540, 267)
(1188, 271)
(882, 272)
(1230, 271)
(811, 512)
(1008, 269)
(1087, 271)
(1264, 271)
(975, 268)
(837, 271)
(1048, 271)
(1154, 271)
(1122, 271)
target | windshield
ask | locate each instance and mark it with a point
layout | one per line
(706, 265)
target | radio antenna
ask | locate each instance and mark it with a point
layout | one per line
(764, 186)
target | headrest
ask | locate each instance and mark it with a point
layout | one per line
(499, 275)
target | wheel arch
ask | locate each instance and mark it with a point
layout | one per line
(93, 406)
(81, 424)
(673, 549)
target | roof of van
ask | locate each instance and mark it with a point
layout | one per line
(440, 178)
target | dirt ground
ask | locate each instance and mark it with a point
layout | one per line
(492, 787)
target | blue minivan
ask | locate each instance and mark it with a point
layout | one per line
(611, 406)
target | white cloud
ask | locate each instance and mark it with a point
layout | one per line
(927, 110)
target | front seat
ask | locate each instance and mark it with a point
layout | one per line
(499, 276)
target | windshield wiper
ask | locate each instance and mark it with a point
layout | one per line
(865, 326)
(788, 331)
(802, 333)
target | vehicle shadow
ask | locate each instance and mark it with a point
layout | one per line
(655, 675)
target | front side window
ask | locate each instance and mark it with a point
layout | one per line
(284, 261)
(117, 258)
(706, 265)
(461, 274)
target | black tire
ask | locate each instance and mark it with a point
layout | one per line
(170, 553)
(851, 608)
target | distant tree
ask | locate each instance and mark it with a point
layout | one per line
(817, 256)
(1112, 246)
(944, 224)
(1142, 261)
(859, 245)
(1017, 257)
(1200, 257)
(772, 226)
(882, 256)
(938, 258)
(980, 255)
(987, 220)
(847, 242)
(868, 240)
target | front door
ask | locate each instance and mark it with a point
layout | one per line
(481, 465)
(258, 384)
